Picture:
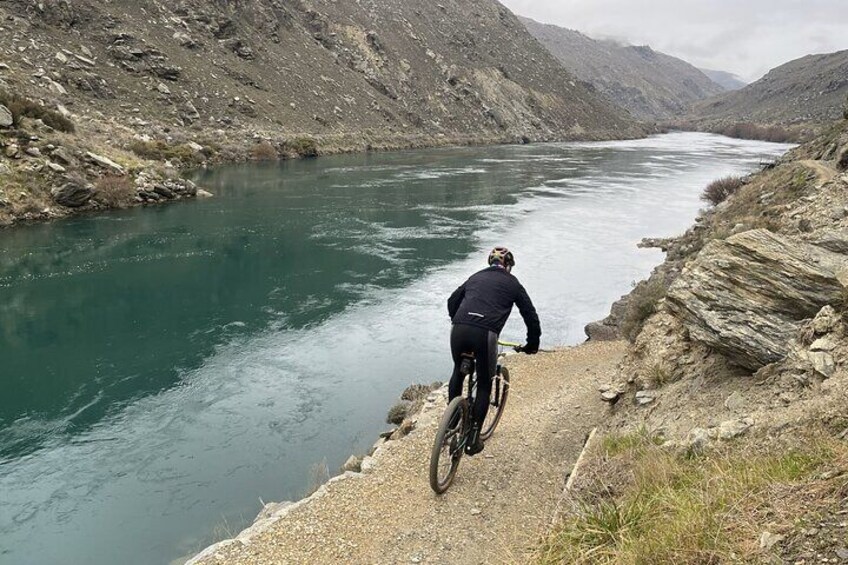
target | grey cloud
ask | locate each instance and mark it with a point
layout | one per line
(747, 38)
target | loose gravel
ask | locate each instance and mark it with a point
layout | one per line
(500, 503)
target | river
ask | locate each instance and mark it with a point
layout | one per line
(166, 369)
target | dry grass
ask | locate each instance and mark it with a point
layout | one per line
(182, 154)
(680, 508)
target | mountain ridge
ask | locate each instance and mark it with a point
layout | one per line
(649, 84)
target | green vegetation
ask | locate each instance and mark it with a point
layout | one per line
(642, 303)
(302, 147)
(685, 508)
(22, 107)
(720, 190)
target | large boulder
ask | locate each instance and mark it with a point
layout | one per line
(72, 194)
(746, 296)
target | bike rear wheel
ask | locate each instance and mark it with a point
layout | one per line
(449, 445)
(497, 403)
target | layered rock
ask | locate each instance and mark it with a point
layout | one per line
(747, 296)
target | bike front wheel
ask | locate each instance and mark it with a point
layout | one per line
(449, 445)
(497, 403)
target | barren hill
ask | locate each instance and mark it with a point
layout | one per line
(379, 69)
(726, 80)
(809, 90)
(649, 84)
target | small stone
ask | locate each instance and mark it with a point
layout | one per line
(825, 343)
(476, 511)
(610, 396)
(735, 401)
(61, 57)
(105, 162)
(33, 151)
(697, 440)
(769, 540)
(72, 194)
(13, 151)
(842, 553)
(644, 397)
(353, 464)
(733, 428)
(55, 167)
(822, 363)
(203, 193)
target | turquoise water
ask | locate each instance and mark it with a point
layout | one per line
(164, 369)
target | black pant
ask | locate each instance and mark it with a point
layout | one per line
(483, 344)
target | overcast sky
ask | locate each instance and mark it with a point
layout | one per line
(745, 37)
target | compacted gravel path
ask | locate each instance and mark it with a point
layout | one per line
(501, 501)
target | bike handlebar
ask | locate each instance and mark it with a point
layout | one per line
(516, 346)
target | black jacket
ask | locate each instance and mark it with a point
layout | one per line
(486, 300)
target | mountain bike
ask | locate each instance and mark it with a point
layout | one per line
(455, 428)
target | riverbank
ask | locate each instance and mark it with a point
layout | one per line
(49, 174)
(500, 503)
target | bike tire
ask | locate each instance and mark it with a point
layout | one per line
(453, 426)
(497, 404)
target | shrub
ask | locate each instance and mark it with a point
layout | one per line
(776, 134)
(263, 151)
(720, 190)
(302, 146)
(115, 191)
(641, 303)
(22, 107)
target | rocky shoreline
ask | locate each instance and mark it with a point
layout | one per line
(418, 406)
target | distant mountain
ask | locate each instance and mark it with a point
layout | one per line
(649, 84)
(728, 81)
(809, 90)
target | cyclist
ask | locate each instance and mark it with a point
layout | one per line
(479, 310)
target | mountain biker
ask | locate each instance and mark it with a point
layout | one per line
(479, 310)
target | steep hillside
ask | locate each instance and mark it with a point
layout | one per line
(649, 84)
(729, 417)
(726, 80)
(196, 80)
(809, 90)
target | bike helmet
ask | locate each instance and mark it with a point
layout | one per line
(503, 256)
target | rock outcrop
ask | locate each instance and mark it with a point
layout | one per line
(747, 296)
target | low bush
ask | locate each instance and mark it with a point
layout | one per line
(22, 107)
(776, 134)
(115, 191)
(263, 151)
(640, 305)
(720, 190)
(302, 146)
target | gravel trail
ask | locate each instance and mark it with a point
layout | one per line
(501, 501)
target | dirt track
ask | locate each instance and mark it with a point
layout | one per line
(500, 502)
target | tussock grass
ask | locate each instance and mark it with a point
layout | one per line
(682, 508)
